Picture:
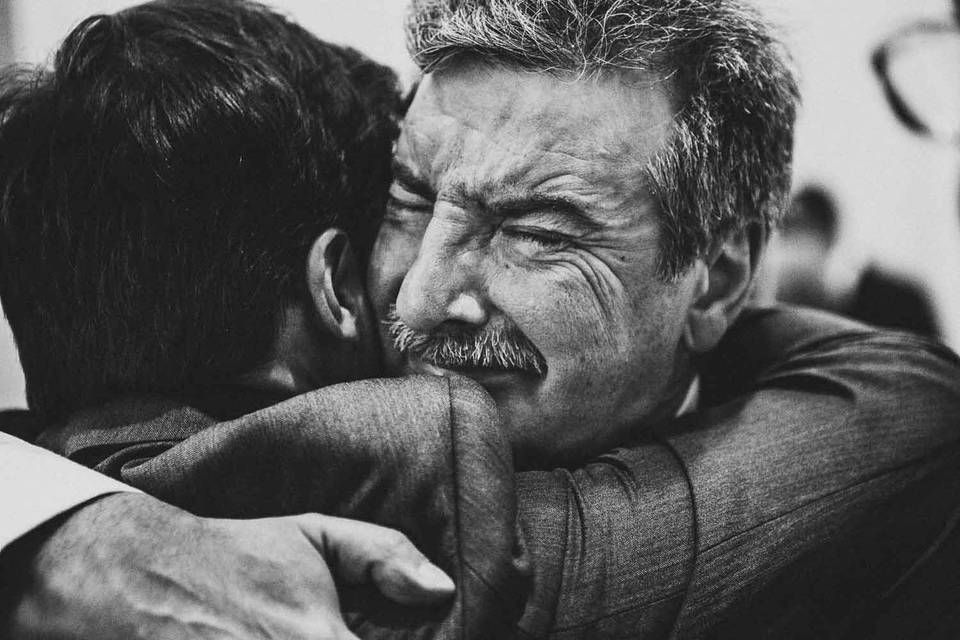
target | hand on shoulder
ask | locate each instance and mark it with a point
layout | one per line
(129, 566)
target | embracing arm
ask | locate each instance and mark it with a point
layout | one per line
(825, 487)
(421, 455)
(822, 470)
(37, 485)
(815, 435)
(78, 563)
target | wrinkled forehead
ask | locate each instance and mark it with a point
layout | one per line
(472, 110)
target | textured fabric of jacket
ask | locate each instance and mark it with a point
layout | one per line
(815, 493)
(421, 455)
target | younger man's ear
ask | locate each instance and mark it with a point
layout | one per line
(335, 284)
(722, 288)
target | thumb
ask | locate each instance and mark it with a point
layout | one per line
(360, 552)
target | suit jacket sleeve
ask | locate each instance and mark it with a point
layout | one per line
(422, 455)
(817, 484)
(820, 478)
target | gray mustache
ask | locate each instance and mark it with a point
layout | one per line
(503, 348)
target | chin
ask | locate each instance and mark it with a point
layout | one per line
(540, 443)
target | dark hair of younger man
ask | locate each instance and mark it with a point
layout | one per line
(160, 188)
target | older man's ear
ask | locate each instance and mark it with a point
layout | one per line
(722, 288)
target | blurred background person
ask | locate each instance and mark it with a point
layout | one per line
(809, 274)
(820, 257)
(802, 252)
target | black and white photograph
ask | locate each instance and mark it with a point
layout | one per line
(479, 319)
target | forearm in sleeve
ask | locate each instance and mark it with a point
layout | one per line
(612, 544)
(37, 485)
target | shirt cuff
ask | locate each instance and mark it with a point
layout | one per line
(37, 485)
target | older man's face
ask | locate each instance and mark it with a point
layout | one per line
(521, 247)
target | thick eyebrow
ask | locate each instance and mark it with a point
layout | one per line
(410, 181)
(539, 203)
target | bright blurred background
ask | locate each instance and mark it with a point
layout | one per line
(896, 193)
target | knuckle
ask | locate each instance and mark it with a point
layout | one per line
(394, 542)
(310, 519)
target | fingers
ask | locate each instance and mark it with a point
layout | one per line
(408, 583)
(328, 623)
(360, 552)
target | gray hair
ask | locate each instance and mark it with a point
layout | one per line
(727, 165)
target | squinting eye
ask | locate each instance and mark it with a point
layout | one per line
(411, 202)
(393, 202)
(400, 197)
(406, 209)
(540, 237)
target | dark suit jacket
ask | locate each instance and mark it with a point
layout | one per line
(815, 493)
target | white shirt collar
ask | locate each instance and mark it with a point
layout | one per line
(692, 400)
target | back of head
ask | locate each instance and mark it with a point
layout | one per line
(727, 165)
(160, 188)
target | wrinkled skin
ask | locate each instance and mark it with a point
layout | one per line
(520, 198)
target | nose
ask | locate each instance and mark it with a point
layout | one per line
(445, 284)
